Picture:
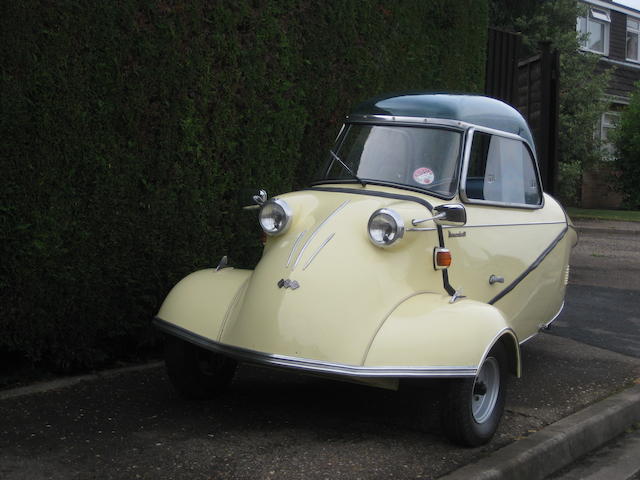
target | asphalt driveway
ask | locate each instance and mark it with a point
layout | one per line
(272, 424)
(277, 425)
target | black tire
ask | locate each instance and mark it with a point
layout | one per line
(471, 419)
(196, 373)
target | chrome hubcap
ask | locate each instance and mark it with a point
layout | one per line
(485, 390)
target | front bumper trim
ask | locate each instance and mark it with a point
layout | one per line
(305, 364)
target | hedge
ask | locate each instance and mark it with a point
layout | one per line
(132, 132)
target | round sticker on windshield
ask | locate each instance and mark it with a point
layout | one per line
(423, 176)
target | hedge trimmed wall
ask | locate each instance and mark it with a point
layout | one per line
(131, 132)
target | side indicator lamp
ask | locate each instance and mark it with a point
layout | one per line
(441, 258)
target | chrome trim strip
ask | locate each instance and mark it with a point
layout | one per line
(546, 325)
(295, 244)
(498, 336)
(428, 229)
(305, 364)
(559, 222)
(315, 232)
(447, 122)
(317, 251)
(423, 229)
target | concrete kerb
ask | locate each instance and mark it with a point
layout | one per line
(70, 381)
(559, 444)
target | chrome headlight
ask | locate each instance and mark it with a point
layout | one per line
(275, 216)
(385, 227)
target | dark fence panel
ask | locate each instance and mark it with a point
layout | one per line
(502, 61)
(531, 86)
(537, 100)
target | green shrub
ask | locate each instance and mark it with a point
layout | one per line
(627, 142)
(132, 130)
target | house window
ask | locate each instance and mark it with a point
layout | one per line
(608, 123)
(594, 28)
(633, 31)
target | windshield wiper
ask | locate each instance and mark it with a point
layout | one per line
(346, 167)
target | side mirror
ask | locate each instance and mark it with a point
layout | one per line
(453, 215)
(258, 201)
(260, 198)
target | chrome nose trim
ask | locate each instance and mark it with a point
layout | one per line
(328, 239)
(315, 232)
(295, 244)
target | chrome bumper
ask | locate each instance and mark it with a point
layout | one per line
(305, 364)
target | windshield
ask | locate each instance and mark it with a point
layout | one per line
(417, 157)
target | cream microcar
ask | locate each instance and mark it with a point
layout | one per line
(425, 249)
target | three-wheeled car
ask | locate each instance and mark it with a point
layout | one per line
(425, 248)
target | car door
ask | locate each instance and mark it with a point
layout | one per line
(509, 230)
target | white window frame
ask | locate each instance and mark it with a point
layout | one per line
(608, 122)
(599, 16)
(636, 30)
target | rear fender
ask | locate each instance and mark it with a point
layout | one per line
(204, 301)
(427, 330)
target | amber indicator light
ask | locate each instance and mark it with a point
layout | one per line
(442, 258)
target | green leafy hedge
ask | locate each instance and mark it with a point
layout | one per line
(627, 142)
(132, 131)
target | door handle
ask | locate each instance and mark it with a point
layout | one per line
(495, 279)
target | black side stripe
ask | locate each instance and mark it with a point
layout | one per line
(445, 275)
(375, 193)
(531, 268)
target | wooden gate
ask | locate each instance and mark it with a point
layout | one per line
(531, 86)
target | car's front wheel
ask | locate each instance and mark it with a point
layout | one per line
(196, 373)
(473, 407)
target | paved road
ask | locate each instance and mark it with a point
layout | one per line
(277, 425)
(603, 300)
(603, 309)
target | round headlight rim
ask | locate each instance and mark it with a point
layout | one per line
(286, 209)
(399, 230)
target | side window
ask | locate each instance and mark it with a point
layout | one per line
(501, 170)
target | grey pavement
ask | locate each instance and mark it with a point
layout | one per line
(602, 258)
(602, 304)
(618, 459)
(273, 424)
(133, 425)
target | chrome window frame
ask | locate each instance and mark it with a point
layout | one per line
(465, 169)
(467, 129)
(447, 124)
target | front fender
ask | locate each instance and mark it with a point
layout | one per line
(203, 301)
(428, 330)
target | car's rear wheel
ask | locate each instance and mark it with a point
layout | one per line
(197, 373)
(473, 407)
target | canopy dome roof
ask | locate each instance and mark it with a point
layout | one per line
(474, 109)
